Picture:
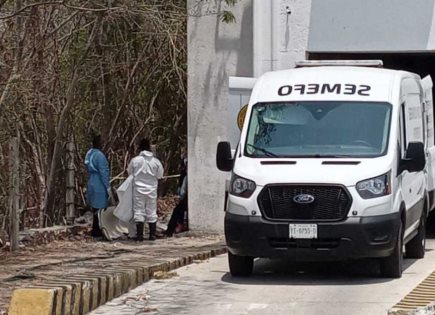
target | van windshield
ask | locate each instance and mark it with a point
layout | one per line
(318, 129)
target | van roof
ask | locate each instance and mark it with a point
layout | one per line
(343, 68)
(329, 83)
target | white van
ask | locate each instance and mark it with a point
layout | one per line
(333, 163)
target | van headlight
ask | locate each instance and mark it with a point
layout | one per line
(375, 187)
(242, 187)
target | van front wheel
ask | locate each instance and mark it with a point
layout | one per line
(391, 266)
(240, 266)
(416, 247)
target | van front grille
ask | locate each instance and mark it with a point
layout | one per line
(304, 202)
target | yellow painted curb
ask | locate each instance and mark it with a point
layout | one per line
(65, 298)
(106, 287)
(142, 271)
(422, 296)
(80, 294)
(129, 278)
(118, 279)
(152, 269)
(76, 293)
(33, 301)
(86, 296)
(93, 285)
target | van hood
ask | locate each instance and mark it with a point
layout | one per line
(347, 172)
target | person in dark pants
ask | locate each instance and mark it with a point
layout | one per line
(97, 194)
(177, 216)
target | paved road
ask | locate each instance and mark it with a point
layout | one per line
(277, 287)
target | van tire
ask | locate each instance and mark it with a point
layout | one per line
(417, 246)
(240, 266)
(391, 266)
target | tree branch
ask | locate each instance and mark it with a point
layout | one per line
(61, 3)
(30, 6)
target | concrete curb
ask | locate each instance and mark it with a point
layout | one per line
(427, 310)
(420, 301)
(81, 294)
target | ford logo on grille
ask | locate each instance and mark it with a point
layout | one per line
(303, 199)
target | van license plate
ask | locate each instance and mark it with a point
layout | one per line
(303, 231)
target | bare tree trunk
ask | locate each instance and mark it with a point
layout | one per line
(70, 185)
(14, 169)
(55, 161)
(18, 54)
(62, 124)
(61, 78)
(14, 200)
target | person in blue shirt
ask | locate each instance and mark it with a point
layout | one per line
(97, 194)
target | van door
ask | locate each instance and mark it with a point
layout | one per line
(429, 122)
(240, 89)
(240, 92)
(413, 184)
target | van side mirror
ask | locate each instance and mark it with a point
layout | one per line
(224, 158)
(415, 159)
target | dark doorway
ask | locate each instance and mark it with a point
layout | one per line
(420, 63)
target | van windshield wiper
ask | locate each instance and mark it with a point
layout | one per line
(331, 156)
(320, 156)
(266, 152)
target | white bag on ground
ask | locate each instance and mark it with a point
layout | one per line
(124, 209)
(111, 226)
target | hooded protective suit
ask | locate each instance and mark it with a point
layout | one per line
(98, 182)
(146, 170)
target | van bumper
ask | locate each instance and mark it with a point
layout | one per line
(354, 238)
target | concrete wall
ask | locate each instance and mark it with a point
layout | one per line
(280, 33)
(372, 26)
(264, 38)
(215, 52)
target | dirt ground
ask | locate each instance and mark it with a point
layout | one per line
(62, 258)
(80, 254)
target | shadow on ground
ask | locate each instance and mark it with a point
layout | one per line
(281, 271)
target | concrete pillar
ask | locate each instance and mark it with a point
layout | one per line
(216, 51)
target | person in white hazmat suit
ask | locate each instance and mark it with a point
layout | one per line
(146, 170)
